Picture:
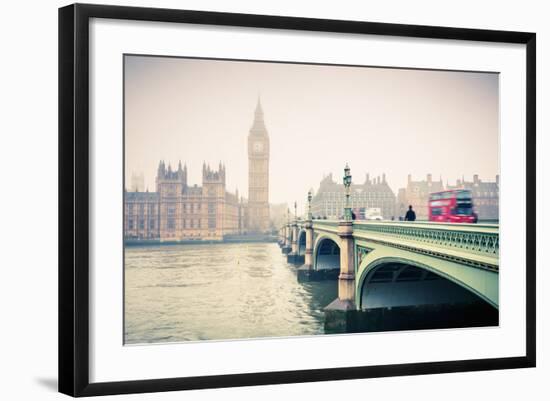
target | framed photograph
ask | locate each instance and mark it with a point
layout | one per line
(251, 199)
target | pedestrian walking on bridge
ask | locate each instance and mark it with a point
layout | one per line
(411, 215)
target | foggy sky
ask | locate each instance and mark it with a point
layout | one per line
(319, 118)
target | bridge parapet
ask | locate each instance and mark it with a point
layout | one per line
(478, 238)
(473, 244)
(325, 225)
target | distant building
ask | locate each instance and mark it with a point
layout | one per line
(485, 196)
(178, 211)
(278, 215)
(137, 183)
(141, 215)
(417, 194)
(329, 201)
(402, 204)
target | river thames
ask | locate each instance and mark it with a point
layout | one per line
(176, 293)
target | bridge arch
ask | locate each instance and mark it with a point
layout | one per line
(326, 253)
(403, 275)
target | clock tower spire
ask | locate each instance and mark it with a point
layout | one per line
(258, 173)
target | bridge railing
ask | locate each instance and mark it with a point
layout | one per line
(478, 238)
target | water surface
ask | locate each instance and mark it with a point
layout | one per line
(179, 293)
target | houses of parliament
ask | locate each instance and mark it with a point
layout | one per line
(178, 211)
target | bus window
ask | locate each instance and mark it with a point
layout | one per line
(437, 211)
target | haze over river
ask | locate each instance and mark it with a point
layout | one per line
(218, 291)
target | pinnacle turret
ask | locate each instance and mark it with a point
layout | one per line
(258, 126)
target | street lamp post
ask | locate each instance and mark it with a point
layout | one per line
(288, 215)
(305, 271)
(347, 185)
(288, 232)
(309, 197)
(293, 255)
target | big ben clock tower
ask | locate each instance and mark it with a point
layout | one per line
(258, 174)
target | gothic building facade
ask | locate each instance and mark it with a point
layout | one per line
(177, 211)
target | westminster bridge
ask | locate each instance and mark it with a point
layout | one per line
(385, 265)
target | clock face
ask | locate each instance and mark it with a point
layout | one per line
(258, 147)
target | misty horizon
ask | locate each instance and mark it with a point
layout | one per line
(379, 120)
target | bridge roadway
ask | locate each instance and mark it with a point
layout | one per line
(385, 264)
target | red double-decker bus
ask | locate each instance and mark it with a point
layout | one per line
(453, 206)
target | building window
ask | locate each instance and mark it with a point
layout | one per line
(131, 224)
(141, 224)
(211, 207)
(171, 223)
(211, 222)
(152, 224)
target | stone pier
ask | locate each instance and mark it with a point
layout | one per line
(294, 256)
(340, 313)
(306, 271)
(286, 244)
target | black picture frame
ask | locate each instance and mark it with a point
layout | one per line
(74, 193)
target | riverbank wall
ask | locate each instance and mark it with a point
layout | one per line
(230, 239)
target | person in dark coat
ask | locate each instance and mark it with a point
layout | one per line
(411, 215)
